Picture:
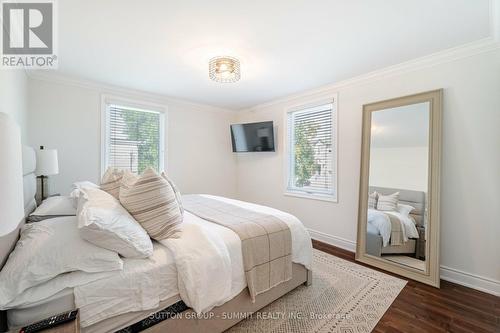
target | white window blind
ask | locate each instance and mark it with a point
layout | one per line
(134, 138)
(312, 151)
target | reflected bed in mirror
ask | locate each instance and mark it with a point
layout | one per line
(398, 214)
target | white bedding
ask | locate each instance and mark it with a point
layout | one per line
(382, 223)
(209, 260)
(141, 285)
(204, 266)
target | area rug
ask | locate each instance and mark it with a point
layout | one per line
(344, 297)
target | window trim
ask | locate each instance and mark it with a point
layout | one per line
(107, 100)
(333, 99)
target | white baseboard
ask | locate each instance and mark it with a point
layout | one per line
(333, 240)
(469, 280)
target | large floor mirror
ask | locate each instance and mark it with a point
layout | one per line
(398, 228)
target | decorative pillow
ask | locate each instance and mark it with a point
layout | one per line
(53, 207)
(388, 202)
(151, 201)
(105, 223)
(47, 249)
(178, 196)
(372, 200)
(111, 181)
(405, 210)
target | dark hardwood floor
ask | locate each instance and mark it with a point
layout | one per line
(422, 308)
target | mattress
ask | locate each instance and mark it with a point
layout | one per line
(111, 296)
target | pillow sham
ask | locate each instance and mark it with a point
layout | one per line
(84, 184)
(151, 201)
(53, 207)
(388, 202)
(104, 222)
(44, 290)
(178, 196)
(111, 181)
(372, 200)
(77, 187)
(405, 210)
(47, 249)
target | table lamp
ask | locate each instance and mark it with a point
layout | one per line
(46, 165)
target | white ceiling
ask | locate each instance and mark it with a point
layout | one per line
(285, 46)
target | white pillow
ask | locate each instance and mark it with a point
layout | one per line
(47, 249)
(405, 210)
(104, 222)
(32, 295)
(78, 186)
(54, 207)
(84, 184)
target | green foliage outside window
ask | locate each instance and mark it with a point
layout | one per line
(144, 129)
(304, 153)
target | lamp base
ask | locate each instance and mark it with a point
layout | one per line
(43, 189)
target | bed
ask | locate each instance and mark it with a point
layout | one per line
(164, 263)
(374, 240)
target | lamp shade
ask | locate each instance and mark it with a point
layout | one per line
(46, 162)
(11, 176)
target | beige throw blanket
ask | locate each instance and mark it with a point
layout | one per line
(266, 241)
(397, 237)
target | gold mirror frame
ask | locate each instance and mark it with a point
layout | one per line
(431, 274)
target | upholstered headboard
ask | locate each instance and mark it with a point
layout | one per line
(408, 197)
(8, 241)
(29, 179)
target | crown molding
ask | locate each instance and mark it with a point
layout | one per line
(103, 88)
(453, 54)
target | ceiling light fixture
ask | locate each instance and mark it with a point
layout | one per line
(224, 69)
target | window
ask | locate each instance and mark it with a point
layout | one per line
(312, 151)
(133, 137)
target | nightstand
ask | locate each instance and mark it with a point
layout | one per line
(420, 246)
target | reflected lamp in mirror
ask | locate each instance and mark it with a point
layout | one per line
(46, 165)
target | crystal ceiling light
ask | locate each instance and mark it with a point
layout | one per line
(224, 69)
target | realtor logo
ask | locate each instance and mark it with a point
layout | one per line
(28, 31)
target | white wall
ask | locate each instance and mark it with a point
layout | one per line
(401, 167)
(65, 114)
(13, 96)
(470, 168)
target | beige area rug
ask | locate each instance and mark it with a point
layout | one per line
(344, 297)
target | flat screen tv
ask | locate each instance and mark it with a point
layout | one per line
(252, 137)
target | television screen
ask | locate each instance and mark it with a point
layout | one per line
(253, 137)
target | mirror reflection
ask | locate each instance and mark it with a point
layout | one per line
(398, 185)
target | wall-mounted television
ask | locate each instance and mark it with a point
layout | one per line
(252, 137)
